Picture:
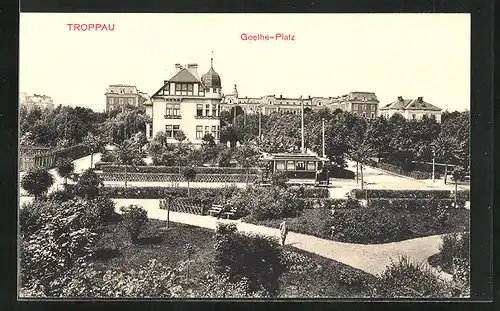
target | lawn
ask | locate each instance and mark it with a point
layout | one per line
(314, 276)
(317, 222)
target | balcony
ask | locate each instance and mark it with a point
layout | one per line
(172, 116)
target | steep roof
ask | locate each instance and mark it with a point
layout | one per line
(184, 76)
(410, 104)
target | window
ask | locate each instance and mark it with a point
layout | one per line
(169, 130)
(433, 116)
(290, 165)
(214, 110)
(177, 87)
(199, 131)
(111, 101)
(151, 130)
(207, 109)
(311, 166)
(373, 115)
(120, 101)
(413, 116)
(214, 129)
(217, 133)
(300, 166)
(131, 101)
(199, 110)
(214, 90)
(364, 106)
(364, 114)
(184, 87)
(166, 90)
(374, 107)
(201, 91)
(280, 165)
(190, 87)
(207, 128)
(176, 109)
(176, 129)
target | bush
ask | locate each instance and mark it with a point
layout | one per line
(267, 203)
(89, 185)
(107, 156)
(62, 195)
(37, 182)
(104, 208)
(454, 256)
(353, 278)
(400, 194)
(405, 279)
(463, 195)
(256, 258)
(415, 204)
(308, 192)
(135, 218)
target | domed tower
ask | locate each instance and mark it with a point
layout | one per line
(211, 80)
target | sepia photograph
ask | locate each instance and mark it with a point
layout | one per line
(244, 156)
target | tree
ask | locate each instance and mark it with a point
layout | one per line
(445, 148)
(180, 136)
(247, 157)
(458, 175)
(190, 174)
(208, 139)
(360, 151)
(278, 179)
(229, 134)
(88, 185)
(94, 144)
(37, 182)
(65, 168)
(136, 218)
(140, 140)
(125, 154)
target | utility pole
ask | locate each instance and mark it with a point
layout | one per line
(323, 125)
(433, 166)
(302, 122)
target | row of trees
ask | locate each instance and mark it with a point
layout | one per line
(398, 140)
(66, 126)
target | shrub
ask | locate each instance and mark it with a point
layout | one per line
(353, 278)
(220, 286)
(401, 194)
(254, 257)
(463, 195)
(454, 256)
(65, 194)
(110, 168)
(104, 208)
(351, 204)
(267, 203)
(59, 239)
(135, 218)
(415, 204)
(89, 185)
(37, 182)
(278, 179)
(405, 279)
(107, 156)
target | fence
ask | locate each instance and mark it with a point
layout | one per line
(162, 177)
(183, 206)
(45, 157)
(110, 168)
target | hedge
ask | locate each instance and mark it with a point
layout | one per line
(414, 174)
(400, 194)
(306, 192)
(162, 192)
(410, 194)
(415, 204)
(98, 165)
(107, 168)
(327, 203)
(162, 177)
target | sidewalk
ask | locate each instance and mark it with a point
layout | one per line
(372, 258)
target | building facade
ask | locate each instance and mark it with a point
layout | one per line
(36, 100)
(120, 95)
(272, 104)
(411, 109)
(362, 104)
(186, 103)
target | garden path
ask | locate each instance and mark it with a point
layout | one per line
(369, 258)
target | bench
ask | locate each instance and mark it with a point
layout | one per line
(214, 210)
(229, 214)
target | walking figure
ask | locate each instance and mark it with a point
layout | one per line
(283, 231)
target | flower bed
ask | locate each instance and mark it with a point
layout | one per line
(415, 204)
(107, 168)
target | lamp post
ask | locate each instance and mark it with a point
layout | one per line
(260, 124)
(323, 127)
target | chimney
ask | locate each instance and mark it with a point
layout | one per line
(178, 67)
(309, 96)
(420, 99)
(400, 98)
(193, 69)
(281, 96)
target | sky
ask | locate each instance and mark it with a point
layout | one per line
(408, 55)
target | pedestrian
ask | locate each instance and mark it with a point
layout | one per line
(283, 231)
